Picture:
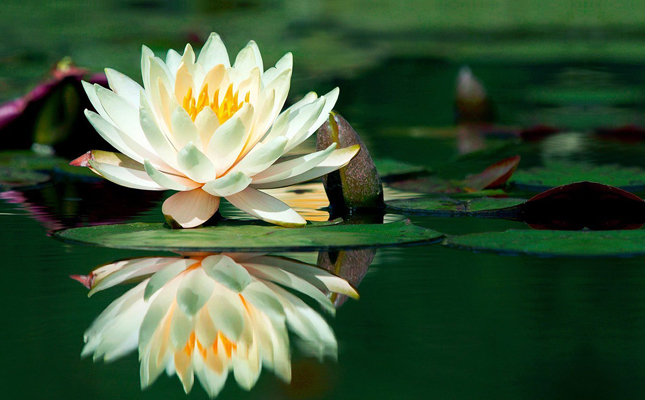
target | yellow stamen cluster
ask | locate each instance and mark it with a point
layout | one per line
(224, 108)
(227, 344)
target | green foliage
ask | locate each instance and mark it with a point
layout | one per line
(555, 243)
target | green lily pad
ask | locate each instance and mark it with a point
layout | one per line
(14, 178)
(452, 207)
(555, 243)
(435, 185)
(236, 236)
(542, 178)
(21, 168)
(391, 170)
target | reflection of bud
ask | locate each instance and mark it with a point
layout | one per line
(351, 265)
(358, 185)
(472, 105)
(210, 314)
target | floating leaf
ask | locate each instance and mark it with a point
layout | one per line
(494, 175)
(393, 170)
(452, 207)
(555, 243)
(25, 168)
(542, 178)
(584, 205)
(14, 178)
(236, 236)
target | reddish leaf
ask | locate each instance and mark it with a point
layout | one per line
(494, 175)
(537, 132)
(627, 133)
(584, 205)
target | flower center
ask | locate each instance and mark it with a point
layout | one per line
(224, 108)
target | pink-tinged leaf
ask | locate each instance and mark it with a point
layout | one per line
(85, 280)
(98, 78)
(11, 110)
(493, 176)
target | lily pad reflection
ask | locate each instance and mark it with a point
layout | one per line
(208, 315)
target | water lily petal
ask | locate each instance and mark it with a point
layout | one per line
(128, 177)
(293, 167)
(264, 299)
(124, 115)
(246, 369)
(183, 83)
(172, 60)
(146, 55)
(267, 208)
(228, 140)
(159, 306)
(285, 63)
(226, 310)
(228, 185)
(156, 137)
(308, 129)
(248, 59)
(321, 278)
(250, 86)
(302, 119)
(195, 164)
(188, 58)
(262, 156)
(190, 209)
(128, 270)
(291, 281)
(165, 275)
(168, 181)
(184, 369)
(216, 79)
(124, 86)
(281, 86)
(336, 160)
(194, 291)
(184, 130)
(213, 53)
(227, 272)
(206, 123)
(181, 326)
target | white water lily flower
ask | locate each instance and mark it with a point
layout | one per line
(210, 130)
(206, 316)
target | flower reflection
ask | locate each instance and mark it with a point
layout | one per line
(209, 314)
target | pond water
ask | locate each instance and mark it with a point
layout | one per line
(432, 322)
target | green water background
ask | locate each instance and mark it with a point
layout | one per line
(432, 322)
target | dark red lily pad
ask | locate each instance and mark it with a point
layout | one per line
(584, 205)
(575, 206)
(626, 133)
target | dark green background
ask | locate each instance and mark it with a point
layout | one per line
(432, 322)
